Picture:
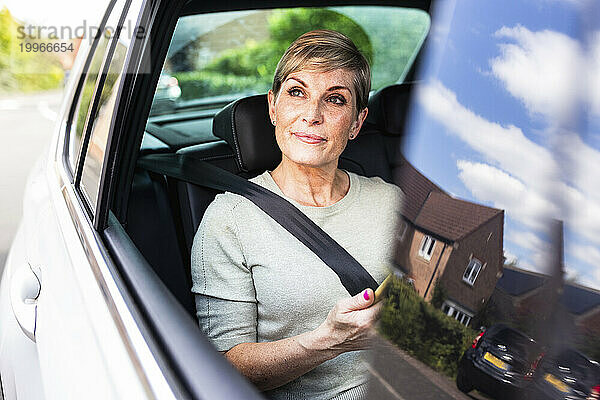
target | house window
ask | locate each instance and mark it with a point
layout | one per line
(453, 310)
(427, 246)
(472, 271)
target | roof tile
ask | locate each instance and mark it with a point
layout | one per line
(430, 208)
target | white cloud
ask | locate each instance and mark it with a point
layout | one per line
(588, 254)
(581, 163)
(490, 184)
(504, 145)
(548, 71)
(587, 270)
(529, 240)
(593, 74)
(540, 69)
(510, 256)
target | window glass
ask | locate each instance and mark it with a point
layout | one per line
(472, 271)
(427, 246)
(99, 123)
(85, 100)
(94, 158)
(216, 58)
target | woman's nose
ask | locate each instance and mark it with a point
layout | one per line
(313, 114)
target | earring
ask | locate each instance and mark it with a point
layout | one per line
(274, 122)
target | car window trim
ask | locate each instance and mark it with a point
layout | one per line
(93, 110)
(76, 96)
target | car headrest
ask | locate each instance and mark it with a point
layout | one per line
(388, 108)
(246, 127)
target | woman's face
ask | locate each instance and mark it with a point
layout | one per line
(315, 116)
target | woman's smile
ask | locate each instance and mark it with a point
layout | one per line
(309, 138)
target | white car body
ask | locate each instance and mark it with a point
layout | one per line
(94, 350)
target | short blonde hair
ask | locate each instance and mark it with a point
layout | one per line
(325, 50)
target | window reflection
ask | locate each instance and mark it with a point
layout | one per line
(85, 100)
(500, 171)
(92, 167)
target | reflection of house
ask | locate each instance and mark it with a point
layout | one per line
(519, 291)
(449, 242)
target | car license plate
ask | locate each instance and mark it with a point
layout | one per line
(557, 383)
(495, 361)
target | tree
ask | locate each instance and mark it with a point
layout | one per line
(252, 66)
(20, 69)
(439, 295)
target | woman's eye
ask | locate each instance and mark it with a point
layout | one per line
(295, 92)
(337, 100)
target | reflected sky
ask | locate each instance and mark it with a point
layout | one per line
(508, 115)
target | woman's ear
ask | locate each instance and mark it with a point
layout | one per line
(356, 125)
(271, 101)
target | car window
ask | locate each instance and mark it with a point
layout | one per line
(578, 365)
(90, 77)
(219, 57)
(100, 126)
(516, 341)
(84, 102)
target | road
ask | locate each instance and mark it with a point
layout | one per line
(397, 376)
(26, 123)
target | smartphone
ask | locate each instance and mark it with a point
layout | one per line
(381, 291)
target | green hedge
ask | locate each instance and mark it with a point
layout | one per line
(422, 330)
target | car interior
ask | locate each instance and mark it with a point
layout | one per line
(239, 138)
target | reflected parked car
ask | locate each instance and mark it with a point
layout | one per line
(499, 363)
(567, 374)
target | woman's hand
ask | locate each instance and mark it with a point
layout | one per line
(349, 325)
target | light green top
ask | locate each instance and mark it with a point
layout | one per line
(255, 282)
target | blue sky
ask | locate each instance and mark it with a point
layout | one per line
(508, 115)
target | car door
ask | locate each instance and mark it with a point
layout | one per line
(71, 332)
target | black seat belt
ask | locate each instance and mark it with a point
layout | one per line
(352, 274)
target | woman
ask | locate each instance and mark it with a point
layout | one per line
(279, 314)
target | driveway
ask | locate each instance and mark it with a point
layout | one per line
(27, 122)
(397, 376)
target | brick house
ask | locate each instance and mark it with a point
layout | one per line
(520, 291)
(450, 242)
